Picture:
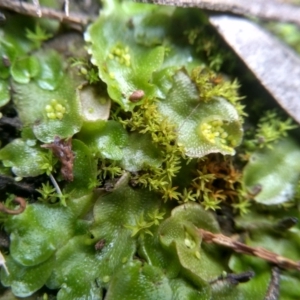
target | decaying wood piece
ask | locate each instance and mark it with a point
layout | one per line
(275, 65)
(75, 20)
(233, 279)
(223, 240)
(63, 151)
(264, 9)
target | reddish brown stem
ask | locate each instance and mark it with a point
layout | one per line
(63, 151)
(239, 247)
(20, 201)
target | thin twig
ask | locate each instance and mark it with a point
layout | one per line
(233, 278)
(56, 186)
(273, 288)
(239, 247)
(264, 9)
(31, 10)
(20, 201)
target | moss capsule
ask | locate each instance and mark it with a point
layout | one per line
(136, 96)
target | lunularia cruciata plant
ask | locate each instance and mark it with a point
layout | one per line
(132, 168)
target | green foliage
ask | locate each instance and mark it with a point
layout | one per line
(35, 236)
(57, 113)
(271, 175)
(136, 279)
(14, 47)
(203, 128)
(76, 258)
(25, 158)
(107, 139)
(26, 280)
(24, 69)
(139, 153)
(124, 65)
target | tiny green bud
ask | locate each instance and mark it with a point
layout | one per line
(126, 56)
(58, 107)
(188, 243)
(59, 115)
(51, 115)
(224, 135)
(83, 71)
(49, 108)
(197, 254)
